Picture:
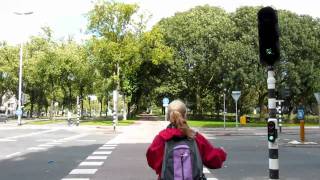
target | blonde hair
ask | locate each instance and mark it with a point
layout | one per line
(177, 113)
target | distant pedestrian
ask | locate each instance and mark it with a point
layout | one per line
(179, 135)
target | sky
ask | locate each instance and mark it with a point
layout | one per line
(67, 17)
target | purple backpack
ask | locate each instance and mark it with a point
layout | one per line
(182, 160)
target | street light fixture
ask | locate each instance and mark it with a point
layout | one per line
(19, 111)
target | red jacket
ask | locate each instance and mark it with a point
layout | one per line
(212, 157)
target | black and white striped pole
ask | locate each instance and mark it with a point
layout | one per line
(268, 30)
(272, 127)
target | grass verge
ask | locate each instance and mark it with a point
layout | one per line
(44, 122)
(220, 124)
(106, 122)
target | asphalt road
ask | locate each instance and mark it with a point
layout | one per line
(91, 154)
(46, 154)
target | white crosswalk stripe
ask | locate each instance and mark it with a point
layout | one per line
(102, 152)
(83, 171)
(97, 157)
(91, 163)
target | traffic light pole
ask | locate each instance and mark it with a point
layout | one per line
(272, 127)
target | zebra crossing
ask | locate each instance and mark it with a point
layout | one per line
(91, 164)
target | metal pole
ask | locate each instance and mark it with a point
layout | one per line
(79, 110)
(20, 85)
(115, 109)
(166, 113)
(224, 110)
(319, 113)
(273, 146)
(236, 113)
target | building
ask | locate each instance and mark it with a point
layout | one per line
(9, 104)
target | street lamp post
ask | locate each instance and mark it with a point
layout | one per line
(19, 111)
(224, 108)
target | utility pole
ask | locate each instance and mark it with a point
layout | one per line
(19, 110)
(268, 30)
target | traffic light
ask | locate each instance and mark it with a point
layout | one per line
(272, 131)
(268, 30)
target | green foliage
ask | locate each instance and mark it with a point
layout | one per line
(196, 56)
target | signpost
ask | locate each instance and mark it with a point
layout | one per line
(115, 109)
(235, 95)
(317, 95)
(165, 102)
(300, 117)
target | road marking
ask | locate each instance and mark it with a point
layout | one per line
(106, 147)
(210, 137)
(45, 140)
(91, 163)
(7, 140)
(33, 134)
(110, 145)
(86, 140)
(72, 137)
(54, 143)
(75, 179)
(83, 171)
(212, 179)
(102, 152)
(13, 154)
(97, 157)
(206, 171)
(46, 145)
(37, 148)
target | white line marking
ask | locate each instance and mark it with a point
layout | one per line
(91, 163)
(75, 179)
(46, 145)
(13, 154)
(72, 137)
(86, 140)
(55, 143)
(206, 171)
(97, 157)
(44, 140)
(212, 179)
(102, 152)
(33, 134)
(37, 148)
(83, 171)
(106, 147)
(110, 145)
(7, 140)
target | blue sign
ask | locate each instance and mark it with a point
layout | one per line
(300, 114)
(165, 101)
(18, 112)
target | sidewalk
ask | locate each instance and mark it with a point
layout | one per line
(140, 132)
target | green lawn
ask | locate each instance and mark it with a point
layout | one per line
(44, 122)
(219, 124)
(106, 122)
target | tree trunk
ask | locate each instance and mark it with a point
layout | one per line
(101, 106)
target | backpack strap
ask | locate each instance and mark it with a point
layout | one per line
(164, 163)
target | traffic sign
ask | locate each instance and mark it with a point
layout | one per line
(165, 101)
(300, 114)
(18, 112)
(317, 95)
(235, 95)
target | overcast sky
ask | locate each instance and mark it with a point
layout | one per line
(66, 17)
